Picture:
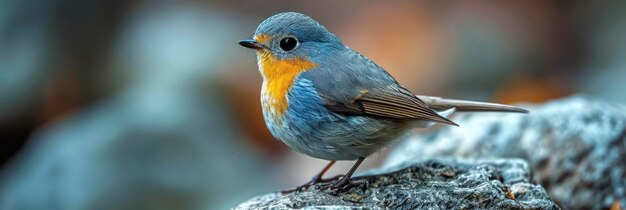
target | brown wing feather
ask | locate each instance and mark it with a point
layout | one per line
(391, 102)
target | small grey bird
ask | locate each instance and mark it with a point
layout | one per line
(325, 100)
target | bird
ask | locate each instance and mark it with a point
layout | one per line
(325, 100)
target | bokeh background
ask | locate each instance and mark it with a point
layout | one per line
(111, 104)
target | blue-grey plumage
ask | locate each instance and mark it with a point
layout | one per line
(310, 128)
(325, 100)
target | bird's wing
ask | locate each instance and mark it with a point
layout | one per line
(439, 103)
(392, 101)
(351, 84)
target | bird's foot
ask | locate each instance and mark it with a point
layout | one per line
(315, 180)
(344, 184)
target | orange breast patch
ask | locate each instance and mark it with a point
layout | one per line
(278, 76)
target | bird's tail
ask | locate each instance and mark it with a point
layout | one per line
(439, 103)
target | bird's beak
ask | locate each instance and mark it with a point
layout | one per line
(252, 44)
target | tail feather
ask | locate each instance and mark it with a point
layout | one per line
(439, 103)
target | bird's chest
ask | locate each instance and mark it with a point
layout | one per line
(273, 107)
(294, 112)
(279, 76)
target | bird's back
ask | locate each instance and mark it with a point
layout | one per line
(345, 73)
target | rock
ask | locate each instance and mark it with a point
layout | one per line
(437, 183)
(575, 147)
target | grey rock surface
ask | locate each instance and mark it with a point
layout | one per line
(437, 183)
(576, 148)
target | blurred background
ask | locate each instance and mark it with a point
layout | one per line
(152, 104)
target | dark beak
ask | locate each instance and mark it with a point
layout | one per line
(251, 44)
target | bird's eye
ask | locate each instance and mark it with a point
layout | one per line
(288, 43)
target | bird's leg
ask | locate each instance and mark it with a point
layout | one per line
(346, 181)
(316, 179)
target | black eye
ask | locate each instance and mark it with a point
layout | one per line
(288, 43)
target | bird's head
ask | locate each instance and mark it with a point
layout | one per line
(291, 42)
